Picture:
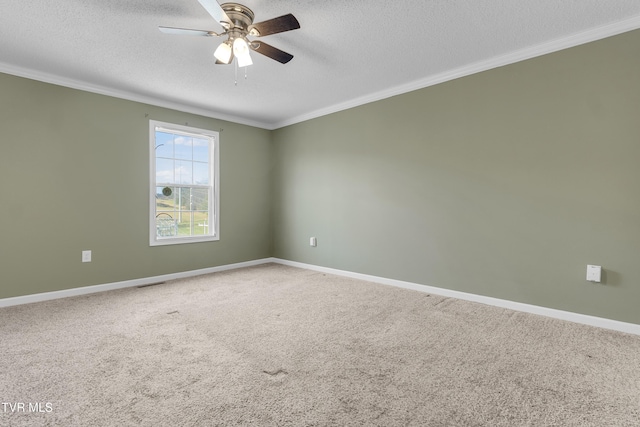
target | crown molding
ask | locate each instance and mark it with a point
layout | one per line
(129, 96)
(577, 39)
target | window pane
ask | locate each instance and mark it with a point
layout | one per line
(183, 199)
(200, 223)
(165, 171)
(183, 147)
(164, 144)
(200, 199)
(166, 225)
(184, 172)
(201, 173)
(165, 199)
(184, 224)
(201, 150)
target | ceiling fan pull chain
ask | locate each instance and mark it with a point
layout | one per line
(236, 70)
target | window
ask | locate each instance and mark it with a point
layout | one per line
(184, 184)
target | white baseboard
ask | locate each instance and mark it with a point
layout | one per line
(630, 328)
(45, 296)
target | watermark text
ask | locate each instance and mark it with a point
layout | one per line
(26, 407)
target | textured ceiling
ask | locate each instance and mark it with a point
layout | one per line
(345, 54)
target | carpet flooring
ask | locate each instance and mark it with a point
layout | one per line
(280, 346)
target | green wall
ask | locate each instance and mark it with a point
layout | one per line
(74, 170)
(506, 183)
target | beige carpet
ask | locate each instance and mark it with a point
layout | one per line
(275, 345)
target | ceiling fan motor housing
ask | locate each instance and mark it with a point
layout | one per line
(240, 15)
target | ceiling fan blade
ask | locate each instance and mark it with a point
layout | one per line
(216, 12)
(273, 26)
(271, 52)
(187, 32)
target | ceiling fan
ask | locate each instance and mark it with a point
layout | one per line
(237, 22)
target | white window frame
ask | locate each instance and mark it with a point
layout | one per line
(214, 184)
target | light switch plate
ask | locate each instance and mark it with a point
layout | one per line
(594, 273)
(86, 256)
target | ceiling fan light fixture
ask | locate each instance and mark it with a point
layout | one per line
(237, 21)
(241, 51)
(223, 52)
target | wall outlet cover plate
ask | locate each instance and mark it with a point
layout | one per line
(594, 273)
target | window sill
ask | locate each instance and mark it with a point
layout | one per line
(182, 240)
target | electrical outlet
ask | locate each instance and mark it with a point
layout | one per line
(594, 273)
(86, 256)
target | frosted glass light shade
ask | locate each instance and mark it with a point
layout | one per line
(241, 51)
(223, 53)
